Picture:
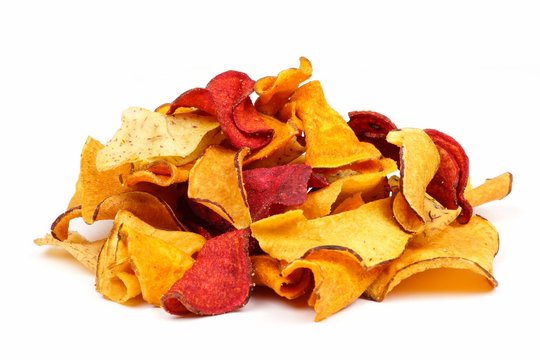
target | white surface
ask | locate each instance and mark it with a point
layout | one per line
(471, 69)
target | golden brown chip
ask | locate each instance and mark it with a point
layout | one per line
(330, 141)
(470, 246)
(159, 172)
(86, 252)
(370, 231)
(492, 189)
(215, 181)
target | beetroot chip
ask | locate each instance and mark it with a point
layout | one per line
(227, 97)
(372, 127)
(317, 181)
(218, 282)
(449, 183)
(270, 189)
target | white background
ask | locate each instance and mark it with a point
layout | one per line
(68, 69)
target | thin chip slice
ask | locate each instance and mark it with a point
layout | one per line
(496, 188)
(419, 161)
(470, 246)
(267, 272)
(160, 172)
(339, 277)
(146, 136)
(60, 226)
(330, 141)
(86, 252)
(274, 92)
(219, 281)
(216, 182)
(370, 231)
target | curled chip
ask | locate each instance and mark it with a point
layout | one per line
(227, 97)
(492, 189)
(330, 141)
(218, 282)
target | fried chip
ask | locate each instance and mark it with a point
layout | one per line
(419, 161)
(470, 246)
(86, 252)
(227, 97)
(267, 272)
(269, 190)
(218, 282)
(274, 92)
(225, 193)
(159, 172)
(370, 231)
(146, 136)
(60, 225)
(339, 277)
(330, 141)
(496, 188)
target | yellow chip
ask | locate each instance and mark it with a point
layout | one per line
(330, 141)
(492, 189)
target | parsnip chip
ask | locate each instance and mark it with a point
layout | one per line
(146, 136)
(339, 276)
(86, 252)
(330, 141)
(470, 246)
(419, 161)
(215, 181)
(370, 231)
(492, 189)
(274, 92)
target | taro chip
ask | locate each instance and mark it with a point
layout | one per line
(146, 136)
(219, 281)
(419, 161)
(369, 231)
(269, 190)
(227, 97)
(274, 92)
(449, 183)
(470, 246)
(330, 141)
(339, 277)
(215, 181)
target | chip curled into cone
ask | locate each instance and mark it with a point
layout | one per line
(243, 183)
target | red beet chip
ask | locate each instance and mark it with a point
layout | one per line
(218, 282)
(317, 181)
(227, 97)
(372, 127)
(270, 189)
(449, 183)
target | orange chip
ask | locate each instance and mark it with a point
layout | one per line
(370, 231)
(159, 172)
(469, 246)
(339, 276)
(330, 141)
(215, 181)
(274, 92)
(492, 189)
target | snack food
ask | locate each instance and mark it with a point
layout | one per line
(215, 193)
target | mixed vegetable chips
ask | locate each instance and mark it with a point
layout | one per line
(246, 183)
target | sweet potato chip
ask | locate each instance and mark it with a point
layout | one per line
(86, 252)
(269, 190)
(274, 92)
(339, 276)
(330, 141)
(146, 136)
(218, 282)
(159, 172)
(492, 189)
(370, 231)
(227, 97)
(419, 161)
(267, 272)
(224, 193)
(60, 225)
(469, 246)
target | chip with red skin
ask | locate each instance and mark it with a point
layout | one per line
(449, 183)
(317, 181)
(269, 190)
(372, 127)
(218, 282)
(227, 97)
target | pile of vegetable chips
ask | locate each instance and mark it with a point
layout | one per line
(245, 183)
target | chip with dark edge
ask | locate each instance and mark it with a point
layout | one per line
(219, 281)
